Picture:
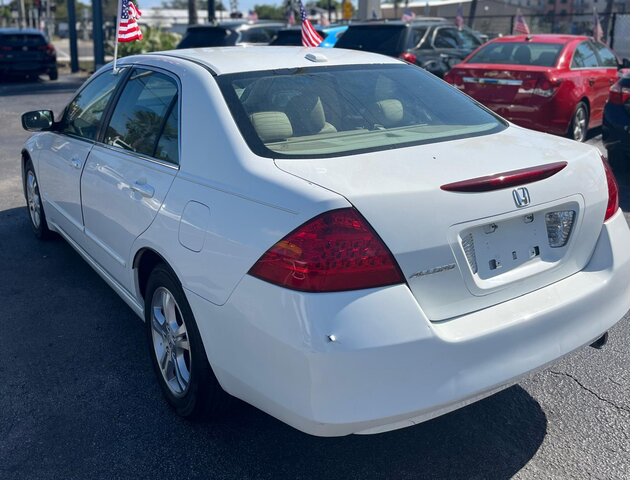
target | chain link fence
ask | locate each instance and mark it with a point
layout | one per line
(616, 27)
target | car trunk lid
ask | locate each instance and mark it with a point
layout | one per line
(462, 251)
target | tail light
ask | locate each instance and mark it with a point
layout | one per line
(335, 251)
(546, 87)
(454, 77)
(48, 48)
(613, 203)
(619, 95)
(408, 57)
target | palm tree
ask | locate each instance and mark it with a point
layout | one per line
(193, 12)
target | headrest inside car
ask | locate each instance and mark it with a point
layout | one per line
(271, 126)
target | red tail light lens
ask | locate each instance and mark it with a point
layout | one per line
(335, 251)
(408, 57)
(613, 203)
(546, 87)
(618, 94)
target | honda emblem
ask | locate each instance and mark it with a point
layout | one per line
(521, 197)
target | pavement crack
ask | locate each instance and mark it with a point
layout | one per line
(595, 394)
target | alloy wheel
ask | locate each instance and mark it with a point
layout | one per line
(33, 199)
(580, 124)
(170, 341)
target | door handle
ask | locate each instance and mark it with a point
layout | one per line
(143, 189)
(592, 81)
(75, 163)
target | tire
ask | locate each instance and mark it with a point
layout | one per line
(53, 74)
(176, 350)
(37, 216)
(579, 126)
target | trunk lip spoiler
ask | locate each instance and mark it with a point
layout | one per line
(499, 181)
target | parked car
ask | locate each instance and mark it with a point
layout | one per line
(290, 36)
(551, 83)
(26, 52)
(230, 33)
(270, 215)
(333, 33)
(432, 43)
(616, 129)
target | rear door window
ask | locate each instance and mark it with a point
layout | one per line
(145, 119)
(446, 38)
(83, 115)
(584, 57)
(607, 57)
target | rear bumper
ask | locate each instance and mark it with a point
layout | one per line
(389, 366)
(548, 116)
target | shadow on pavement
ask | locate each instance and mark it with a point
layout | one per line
(80, 399)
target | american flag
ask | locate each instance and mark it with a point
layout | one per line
(597, 28)
(310, 37)
(292, 17)
(459, 17)
(128, 28)
(408, 16)
(521, 26)
(253, 16)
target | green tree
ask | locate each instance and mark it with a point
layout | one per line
(270, 12)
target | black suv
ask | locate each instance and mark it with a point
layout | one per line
(226, 34)
(26, 52)
(432, 43)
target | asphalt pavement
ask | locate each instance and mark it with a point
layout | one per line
(78, 398)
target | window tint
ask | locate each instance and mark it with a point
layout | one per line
(518, 53)
(83, 115)
(467, 40)
(446, 38)
(607, 57)
(255, 35)
(208, 37)
(584, 57)
(336, 111)
(141, 121)
(20, 39)
(415, 37)
(167, 148)
(384, 39)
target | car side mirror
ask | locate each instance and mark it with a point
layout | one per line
(37, 121)
(625, 64)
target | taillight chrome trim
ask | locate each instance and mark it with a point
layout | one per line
(508, 179)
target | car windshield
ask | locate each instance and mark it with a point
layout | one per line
(518, 53)
(384, 39)
(335, 111)
(22, 39)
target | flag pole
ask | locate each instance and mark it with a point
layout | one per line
(115, 37)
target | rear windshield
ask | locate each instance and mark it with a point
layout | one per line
(22, 39)
(334, 111)
(209, 37)
(384, 39)
(518, 53)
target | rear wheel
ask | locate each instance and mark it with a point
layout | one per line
(34, 203)
(53, 74)
(177, 353)
(579, 126)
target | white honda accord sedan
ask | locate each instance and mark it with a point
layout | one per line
(338, 238)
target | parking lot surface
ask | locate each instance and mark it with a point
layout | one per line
(78, 398)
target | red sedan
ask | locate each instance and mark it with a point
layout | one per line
(552, 83)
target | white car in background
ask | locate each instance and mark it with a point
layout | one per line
(338, 238)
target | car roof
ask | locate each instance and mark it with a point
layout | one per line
(234, 25)
(420, 21)
(248, 59)
(540, 38)
(14, 31)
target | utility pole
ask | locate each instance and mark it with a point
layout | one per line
(472, 12)
(73, 35)
(98, 34)
(23, 15)
(211, 11)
